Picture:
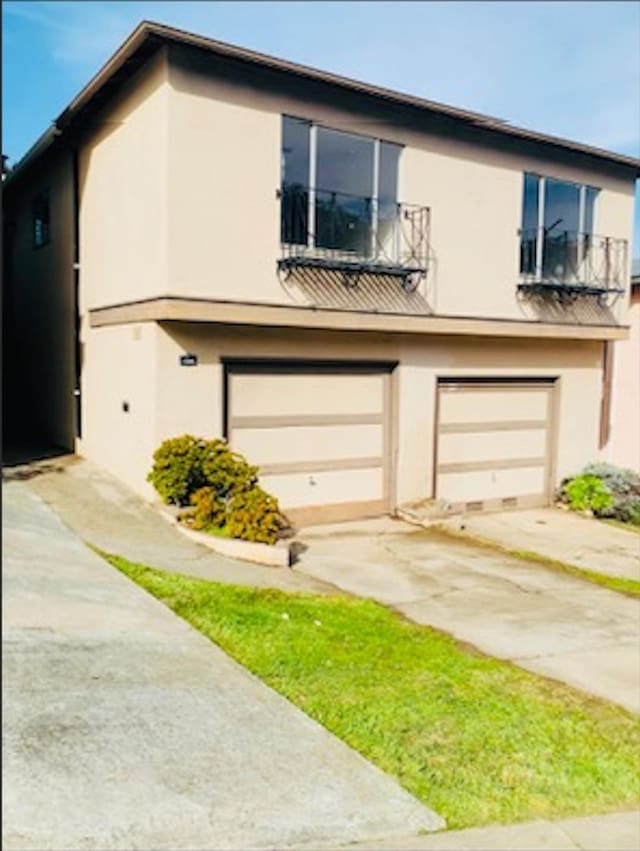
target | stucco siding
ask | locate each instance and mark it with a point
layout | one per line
(123, 189)
(225, 171)
(120, 371)
(224, 227)
(623, 448)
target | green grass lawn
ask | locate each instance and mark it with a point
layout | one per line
(479, 740)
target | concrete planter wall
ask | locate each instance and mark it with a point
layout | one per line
(272, 555)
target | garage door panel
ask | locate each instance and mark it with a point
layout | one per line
(486, 446)
(309, 443)
(318, 435)
(296, 490)
(304, 394)
(480, 485)
(462, 405)
(493, 443)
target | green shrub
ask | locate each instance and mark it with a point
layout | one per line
(219, 484)
(622, 486)
(177, 468)
(253, 515)
(587, 492)
(209, 511)
(227, 472)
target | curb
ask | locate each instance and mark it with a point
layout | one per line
(271, 555)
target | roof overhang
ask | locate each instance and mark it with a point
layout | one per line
(148, 36)
(177, 309)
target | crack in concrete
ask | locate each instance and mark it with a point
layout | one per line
(416, 571)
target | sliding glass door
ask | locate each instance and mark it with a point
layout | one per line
(344, 191)
(339, 190)
(557, 229)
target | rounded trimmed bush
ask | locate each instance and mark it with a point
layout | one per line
(177, 468)
(221, 486)
(254, 515)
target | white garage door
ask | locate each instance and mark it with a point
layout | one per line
(320, 436)
(494, 444)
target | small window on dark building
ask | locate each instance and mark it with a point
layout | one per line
(41, 223)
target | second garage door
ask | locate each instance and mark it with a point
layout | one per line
(494, 444)
(319, 433)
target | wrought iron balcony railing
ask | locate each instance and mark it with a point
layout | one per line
(335, 230)
(572, 262)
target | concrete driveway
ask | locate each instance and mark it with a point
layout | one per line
(125, 728)
(582, 542)
(541, 619)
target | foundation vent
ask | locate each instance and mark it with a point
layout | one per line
(510, 502)
(475, 506)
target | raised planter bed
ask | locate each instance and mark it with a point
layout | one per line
(272, 555)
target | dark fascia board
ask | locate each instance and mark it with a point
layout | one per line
(148, 35)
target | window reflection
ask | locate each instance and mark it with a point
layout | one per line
(346, 199)
(529, 241)
(344, 181)
(556, 240)
(295, 180)
(561, 225)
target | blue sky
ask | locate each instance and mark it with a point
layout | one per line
(571, 69)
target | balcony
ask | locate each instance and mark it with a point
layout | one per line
(353, 235)
(569, 264)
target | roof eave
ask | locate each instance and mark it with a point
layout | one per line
(151, 30)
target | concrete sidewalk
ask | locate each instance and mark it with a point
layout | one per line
(560, 535)
(125, 728)
(614, 832)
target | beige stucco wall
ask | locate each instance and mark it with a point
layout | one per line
(224, 153)
(120, 367)
(123, 189)
(476, 213)
(224, 228)
(39, 307)
(623, 447)
(178, 183)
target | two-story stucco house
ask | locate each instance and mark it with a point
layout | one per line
(377, 298)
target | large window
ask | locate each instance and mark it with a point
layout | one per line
(41, 232)
(557, 227)
(339, 190)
